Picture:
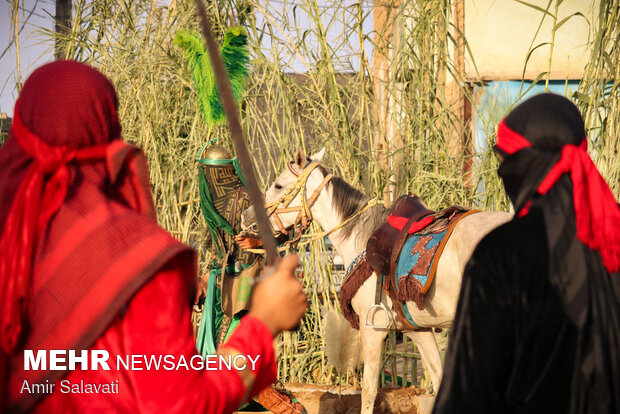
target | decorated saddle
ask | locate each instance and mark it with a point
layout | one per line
(406, 250)
(382, 242)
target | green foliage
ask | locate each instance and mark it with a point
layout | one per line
(331, 104)
(235, 55)
(598, 96)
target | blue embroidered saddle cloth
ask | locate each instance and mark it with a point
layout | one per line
(416, 266)
(417, 263)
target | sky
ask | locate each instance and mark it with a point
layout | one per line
(37, 14)
(337, 18)
(32, 52)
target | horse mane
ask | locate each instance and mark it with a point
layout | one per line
(348, 200)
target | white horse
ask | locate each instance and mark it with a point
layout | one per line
(330, 202)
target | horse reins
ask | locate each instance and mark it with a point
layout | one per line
(304, 217)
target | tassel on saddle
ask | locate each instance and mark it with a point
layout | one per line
(408, 216)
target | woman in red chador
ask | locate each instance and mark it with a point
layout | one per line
(84, 265)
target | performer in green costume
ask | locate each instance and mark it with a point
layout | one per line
(227, 285)
(229, 281)
(222, 198)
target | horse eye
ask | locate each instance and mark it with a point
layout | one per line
(278, 187)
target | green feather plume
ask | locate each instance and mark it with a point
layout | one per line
(235, 54)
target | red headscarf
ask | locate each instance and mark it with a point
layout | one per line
(79, 236)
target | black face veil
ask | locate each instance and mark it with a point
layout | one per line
(589, 294)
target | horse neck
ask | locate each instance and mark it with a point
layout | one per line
(348, 246)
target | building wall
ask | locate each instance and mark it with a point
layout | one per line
(500, 33)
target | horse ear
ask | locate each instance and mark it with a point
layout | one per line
(300, 158)
(318, 156)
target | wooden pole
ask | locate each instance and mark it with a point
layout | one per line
(465, 93)
(236, 133)
(384, 13)
(458, 94)
(63, 23)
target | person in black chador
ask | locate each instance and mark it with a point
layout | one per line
(537, 328)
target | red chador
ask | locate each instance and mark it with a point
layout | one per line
(84, 265)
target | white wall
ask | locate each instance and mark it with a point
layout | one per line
(500, 34)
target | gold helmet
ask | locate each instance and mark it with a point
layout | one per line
(216, 152)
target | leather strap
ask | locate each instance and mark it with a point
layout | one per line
(378, 289)
(304, 216)
(391, 279)
(442, 245)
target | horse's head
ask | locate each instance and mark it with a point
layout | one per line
(289, 199)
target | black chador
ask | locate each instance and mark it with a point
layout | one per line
(537, 328)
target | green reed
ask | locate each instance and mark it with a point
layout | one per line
(331, 103)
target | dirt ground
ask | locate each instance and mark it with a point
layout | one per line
(319, 399)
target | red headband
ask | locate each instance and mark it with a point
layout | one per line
(510, 141)
(597, 214)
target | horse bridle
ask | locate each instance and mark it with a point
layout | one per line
(304, 217)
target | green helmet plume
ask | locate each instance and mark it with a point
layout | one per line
(235, 55)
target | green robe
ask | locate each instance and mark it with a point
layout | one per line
(222, 205)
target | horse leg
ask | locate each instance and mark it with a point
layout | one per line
(372, 346)
(425, 341)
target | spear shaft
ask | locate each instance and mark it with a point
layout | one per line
(236, 133)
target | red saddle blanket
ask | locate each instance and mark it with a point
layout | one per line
(407, 209)
(380, 250)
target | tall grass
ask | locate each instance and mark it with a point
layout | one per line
(331, 103)
(598, 96)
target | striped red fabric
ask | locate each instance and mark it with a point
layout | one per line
(80, 236)
(40, 195)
